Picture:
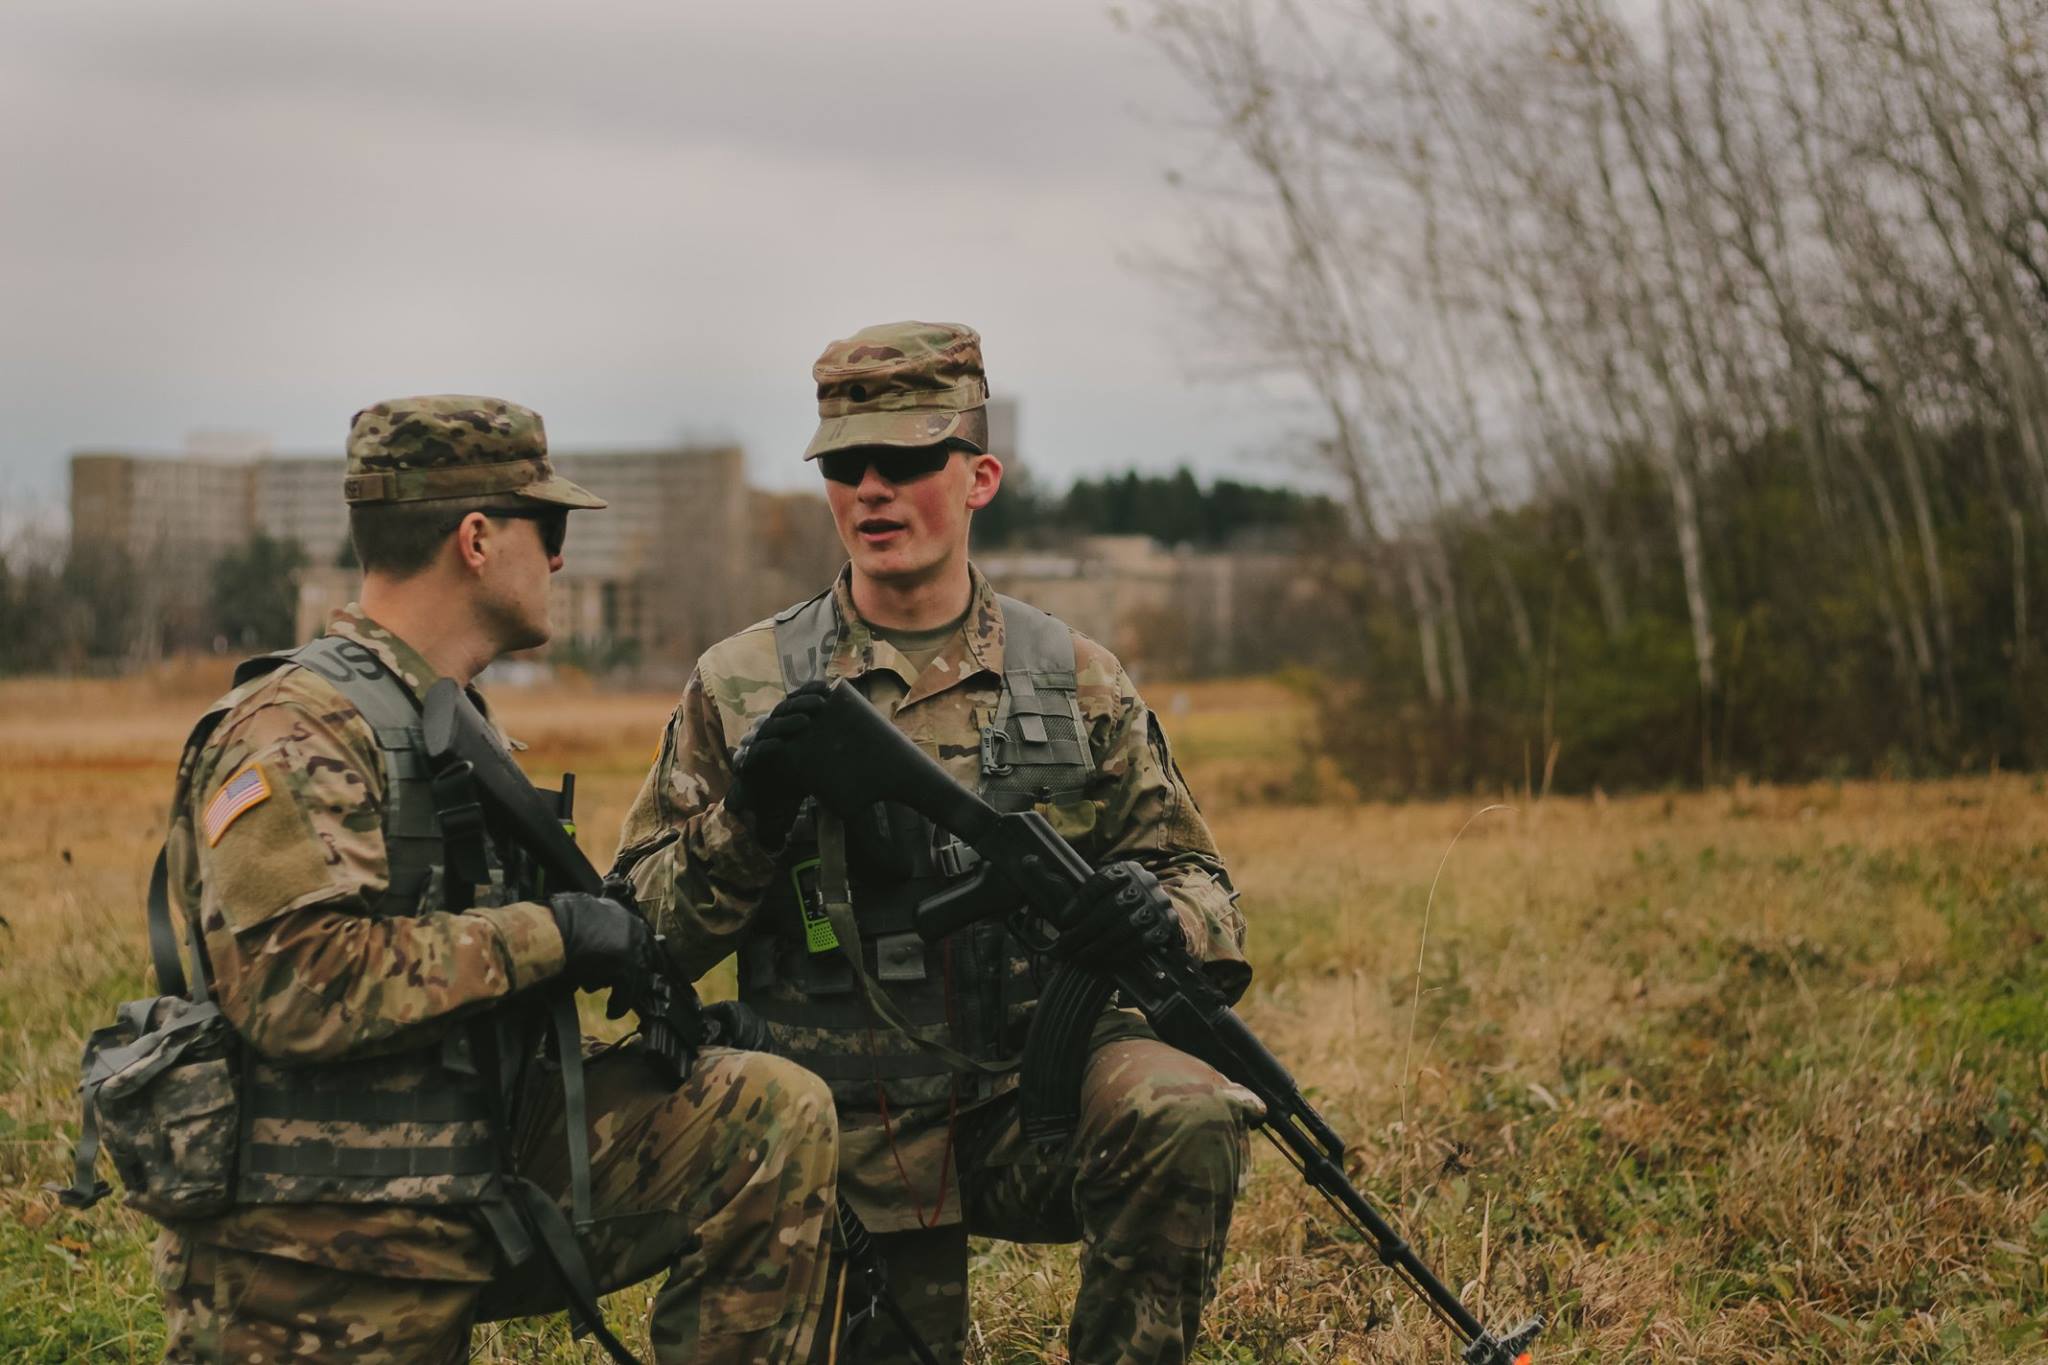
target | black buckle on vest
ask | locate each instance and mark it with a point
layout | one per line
(993, 742)
(462, 823)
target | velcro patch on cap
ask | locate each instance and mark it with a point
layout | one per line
(243, 792)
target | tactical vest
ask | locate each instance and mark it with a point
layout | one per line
(414, 1127)
(974, 991)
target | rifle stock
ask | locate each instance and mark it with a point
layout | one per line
(456, 733)
(854, 756)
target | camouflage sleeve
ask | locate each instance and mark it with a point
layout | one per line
(701, 885)
(289, 849)
(1145, 812)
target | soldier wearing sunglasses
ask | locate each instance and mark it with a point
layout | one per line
(731, 859)
(405, 1166)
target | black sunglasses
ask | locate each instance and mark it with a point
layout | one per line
(552, 521)
(894, 464)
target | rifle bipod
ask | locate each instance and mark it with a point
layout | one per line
(864, 1266)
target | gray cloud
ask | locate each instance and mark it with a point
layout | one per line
(897, 85)
(643, 219)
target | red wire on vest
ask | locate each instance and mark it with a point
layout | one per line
(952, 1111)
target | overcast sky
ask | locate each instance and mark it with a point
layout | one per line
(643, 219)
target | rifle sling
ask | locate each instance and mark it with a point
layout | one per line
(557, 1239)
(836, 888)
(575, 1103)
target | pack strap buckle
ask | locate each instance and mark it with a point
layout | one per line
(953, 858)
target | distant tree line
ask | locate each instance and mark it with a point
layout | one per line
(1174, 509)
(89, 605)
(62, 610)
(1684, 367)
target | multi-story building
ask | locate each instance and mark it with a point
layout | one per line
(169, 520)
(672, 564)
(147, 506)
(296, 497)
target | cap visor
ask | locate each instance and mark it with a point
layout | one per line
(915, 427)
(557, 489)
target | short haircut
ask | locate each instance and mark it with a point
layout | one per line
(399, 539)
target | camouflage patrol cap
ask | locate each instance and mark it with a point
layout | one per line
(901, 384)
(453, 445)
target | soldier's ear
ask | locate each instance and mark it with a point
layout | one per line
(472, 541)
(987, 473)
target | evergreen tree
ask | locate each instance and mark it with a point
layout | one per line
(256, 592)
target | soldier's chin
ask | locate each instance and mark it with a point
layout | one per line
(892, 565)
(530, 636)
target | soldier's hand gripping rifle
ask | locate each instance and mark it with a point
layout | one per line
(854, 757)
(672, 1024)
(466, 750)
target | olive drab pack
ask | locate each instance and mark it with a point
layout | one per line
(158, 1091)
(835, 950)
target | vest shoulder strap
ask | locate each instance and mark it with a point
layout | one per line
(805, 636)
(1039, 738)
(360, 675)
(412, 830)
(1035, 641)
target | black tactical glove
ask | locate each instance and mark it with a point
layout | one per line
(766, 788)
(1119, 910)
(728, 1023)
(606, 945)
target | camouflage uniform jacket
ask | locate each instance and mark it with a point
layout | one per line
(303, 969)
(703, 888)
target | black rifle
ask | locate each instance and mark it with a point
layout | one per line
(673, 1026)
(854, 757)
(478, 786)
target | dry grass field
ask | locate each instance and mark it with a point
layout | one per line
(1755, 1074)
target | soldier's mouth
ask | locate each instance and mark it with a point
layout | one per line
(877, 526)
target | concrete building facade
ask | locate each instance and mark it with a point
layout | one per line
(167, 521)
(1175, 613)
(672, 564)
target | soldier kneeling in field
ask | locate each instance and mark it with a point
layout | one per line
(728, 857)
(368, 1147)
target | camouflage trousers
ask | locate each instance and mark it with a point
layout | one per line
(726, 1185)
(1146, 1186)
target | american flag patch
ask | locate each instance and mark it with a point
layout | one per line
(245, 789)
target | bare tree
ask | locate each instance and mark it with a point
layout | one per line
(1515, 249)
